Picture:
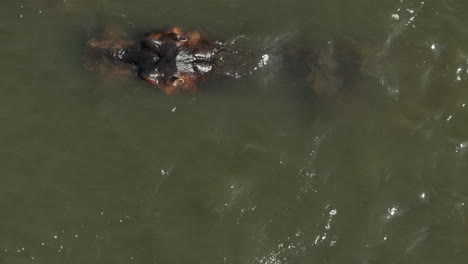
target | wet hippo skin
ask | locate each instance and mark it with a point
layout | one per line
(169, 59)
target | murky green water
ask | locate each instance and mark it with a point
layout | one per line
(255, 170)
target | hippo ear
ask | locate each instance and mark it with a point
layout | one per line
(176, 81)
(177, 34)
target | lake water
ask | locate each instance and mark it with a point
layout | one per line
(250, 170)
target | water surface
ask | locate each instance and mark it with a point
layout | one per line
(254, 170)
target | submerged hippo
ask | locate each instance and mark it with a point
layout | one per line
(168, 59)
(173, 61)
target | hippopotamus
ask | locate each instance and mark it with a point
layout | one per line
(169, 59)
(176, 61)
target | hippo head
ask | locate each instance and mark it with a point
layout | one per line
(171, 60)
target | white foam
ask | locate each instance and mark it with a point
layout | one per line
(263, 61)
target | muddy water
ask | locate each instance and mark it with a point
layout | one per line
(255, 170)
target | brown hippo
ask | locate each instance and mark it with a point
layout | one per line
(167, 59)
